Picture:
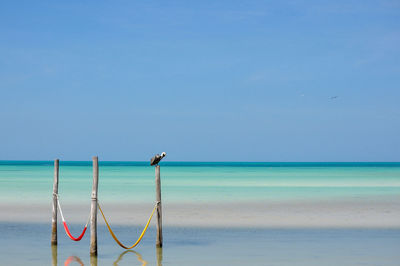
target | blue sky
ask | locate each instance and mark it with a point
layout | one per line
(205, 81)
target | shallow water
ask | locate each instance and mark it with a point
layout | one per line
(26, 183)
(29, 244)
(199, 182)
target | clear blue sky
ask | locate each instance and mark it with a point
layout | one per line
(201, 80)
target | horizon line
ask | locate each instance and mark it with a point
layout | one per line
(127, 161)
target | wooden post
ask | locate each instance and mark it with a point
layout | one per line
(54, 214)
(159, 239)
(93, 211)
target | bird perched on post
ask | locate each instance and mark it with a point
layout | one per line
(157, 158)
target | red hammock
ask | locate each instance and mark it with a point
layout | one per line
(66, 226)
(69, 233)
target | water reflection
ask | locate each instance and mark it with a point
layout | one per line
(138, 255)
(73, 258)
(93, 259)
(54, 255)
(159, 254)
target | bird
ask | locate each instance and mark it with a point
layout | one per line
(333, 97)
(157, 158)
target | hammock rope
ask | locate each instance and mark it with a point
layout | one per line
(141, 235)
(66, 226)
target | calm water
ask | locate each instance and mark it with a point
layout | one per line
(31, 182)
(28, 244)
(200, 182)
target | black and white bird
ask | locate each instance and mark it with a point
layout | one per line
(157, 158)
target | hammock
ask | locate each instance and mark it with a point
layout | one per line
(66, 226)
(141, 235)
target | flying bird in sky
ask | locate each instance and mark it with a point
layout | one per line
(333, 97)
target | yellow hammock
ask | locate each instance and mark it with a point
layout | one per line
(141, 235)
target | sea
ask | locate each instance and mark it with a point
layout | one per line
(31, 182)
(199, 181)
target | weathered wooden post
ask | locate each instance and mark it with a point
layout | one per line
(159, 239)
(54, 214)
(93, 211)
(154, 161)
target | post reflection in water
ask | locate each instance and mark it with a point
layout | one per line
(73, 258)
(139, 257)
(159, 254)
(93, 260)
(54, 255)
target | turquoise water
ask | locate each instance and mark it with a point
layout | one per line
(31, 181)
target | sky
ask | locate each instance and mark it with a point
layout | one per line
(200, 80)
